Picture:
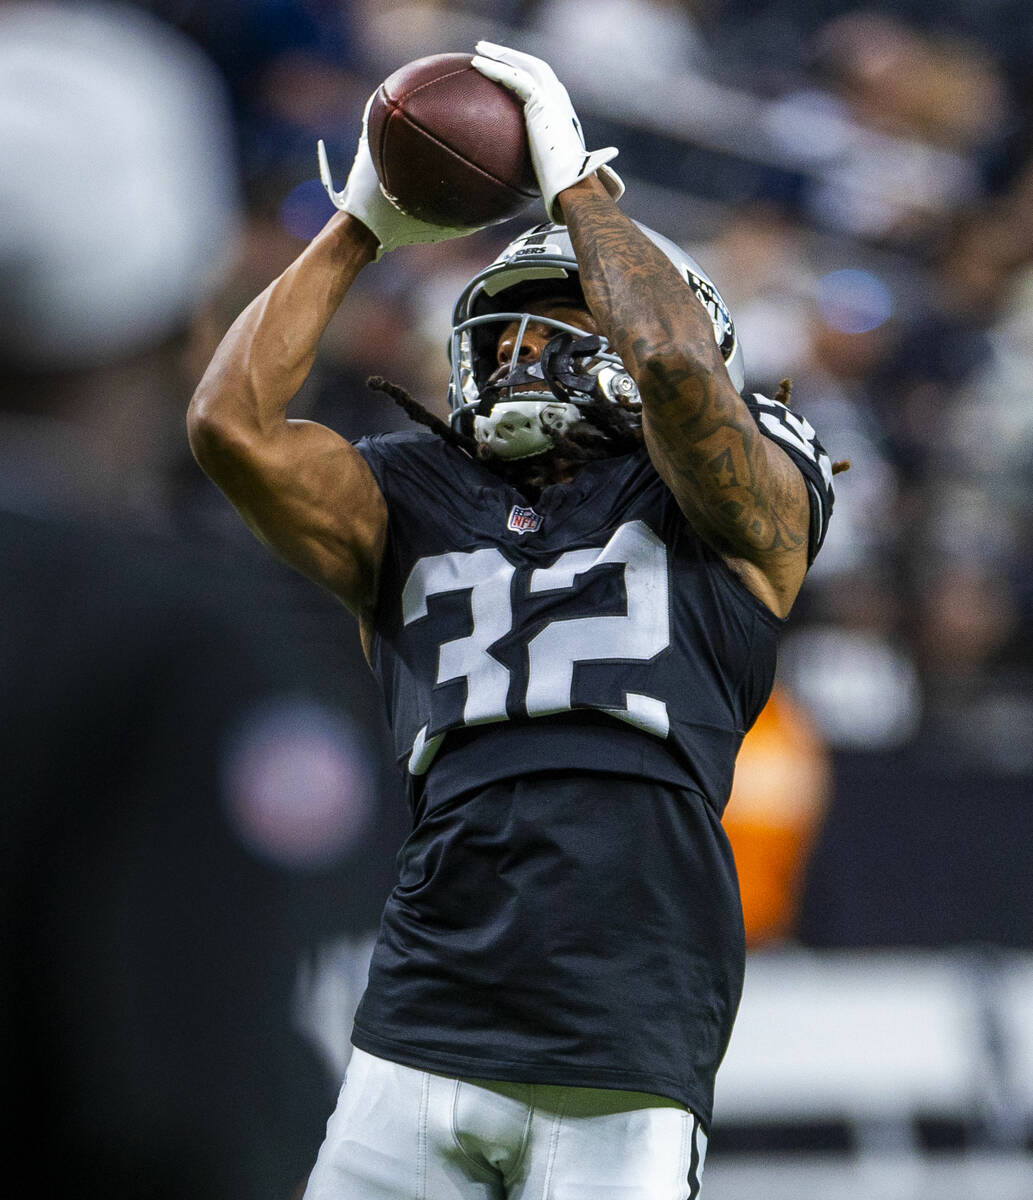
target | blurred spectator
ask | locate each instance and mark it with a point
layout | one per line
(907, 81)
(637, 42)
(289, 67)
(168, 776)
(979, 696)
(779, 796)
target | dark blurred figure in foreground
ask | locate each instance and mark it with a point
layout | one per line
(163, 774)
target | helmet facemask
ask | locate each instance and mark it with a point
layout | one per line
(514, 410)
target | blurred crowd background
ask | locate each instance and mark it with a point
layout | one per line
(200, 778)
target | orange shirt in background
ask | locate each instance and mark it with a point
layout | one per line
(781, 788)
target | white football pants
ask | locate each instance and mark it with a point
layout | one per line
(404, 1134)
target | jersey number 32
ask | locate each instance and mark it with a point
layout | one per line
(636, 635)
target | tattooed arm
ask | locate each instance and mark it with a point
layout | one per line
(736, 488)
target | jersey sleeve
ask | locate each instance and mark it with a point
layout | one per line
(372, 450)
(796, 436)
(407, 464)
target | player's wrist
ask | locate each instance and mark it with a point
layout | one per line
(591, 187)
(353, 238)
(345, 238)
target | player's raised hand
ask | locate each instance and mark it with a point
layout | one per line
(365, 199)
(553, 130)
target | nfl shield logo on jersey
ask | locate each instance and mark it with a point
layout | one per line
(523, 520)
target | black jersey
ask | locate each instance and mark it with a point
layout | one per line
(593, 637)
(597, 607)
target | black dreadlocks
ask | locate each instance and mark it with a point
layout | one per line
(416, 412)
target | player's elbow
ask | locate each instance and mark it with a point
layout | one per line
(216, 437)
(670, 374)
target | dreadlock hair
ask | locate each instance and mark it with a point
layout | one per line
(785, 392)
(416, 412)
(783, 395)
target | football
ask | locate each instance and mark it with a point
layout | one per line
(449, 145)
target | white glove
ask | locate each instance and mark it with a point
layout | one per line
(553, 130)
(366, 200)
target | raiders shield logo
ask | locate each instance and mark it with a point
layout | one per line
(523, 520)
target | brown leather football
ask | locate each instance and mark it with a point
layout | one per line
(449, 145)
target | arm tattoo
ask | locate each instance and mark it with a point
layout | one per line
(739, 490)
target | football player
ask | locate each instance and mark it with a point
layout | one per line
(572, 595)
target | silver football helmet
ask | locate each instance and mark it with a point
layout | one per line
(514, 410)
